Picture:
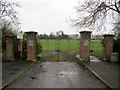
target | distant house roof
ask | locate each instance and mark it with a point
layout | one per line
(97, 37)
(74, 36)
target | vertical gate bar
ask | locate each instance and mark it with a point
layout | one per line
(70, 45)
(96, 47)
(66, 45)
(45, 45)
(54, 45)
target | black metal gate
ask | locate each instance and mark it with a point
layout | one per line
(60, 49)
(97, 46)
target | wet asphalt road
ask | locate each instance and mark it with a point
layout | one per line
(107, 71)
(57, 75)
(10, 70)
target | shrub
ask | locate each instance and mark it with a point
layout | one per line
(24, 47)
(116, 46)
(39, 47)
(15, 44)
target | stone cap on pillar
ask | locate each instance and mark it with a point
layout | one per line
(31, 32)
(108, 35)
(89, 32)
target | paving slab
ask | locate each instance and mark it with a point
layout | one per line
(106, 71)
(57, 75)
(10, 70)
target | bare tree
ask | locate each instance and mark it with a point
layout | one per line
(8, 21)
(94, 13)
(8, 12)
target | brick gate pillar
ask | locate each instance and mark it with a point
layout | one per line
(31, 46)
(9, 47)
(108, 46)
(85, 45)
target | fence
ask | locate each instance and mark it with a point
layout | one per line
(64, 49)
(72, 45)
(62, 45)
(97, 48)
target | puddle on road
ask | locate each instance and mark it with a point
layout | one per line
(92, 58)
(55, 53)
(32, 77)
(66, 73)
(12, 73)
(15, 69)
(42, 67)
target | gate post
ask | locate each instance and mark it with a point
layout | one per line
(108, 46)
(85, 45)
(31, 46)
(9, 48)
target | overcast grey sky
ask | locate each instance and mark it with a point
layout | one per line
(45, 16)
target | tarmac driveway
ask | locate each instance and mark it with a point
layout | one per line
(57, 75)
(10, 70)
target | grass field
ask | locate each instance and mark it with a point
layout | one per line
(63, 45)
(97, 47)
(51, 45)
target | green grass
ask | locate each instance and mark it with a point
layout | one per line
(51, 45)
(97, 47)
